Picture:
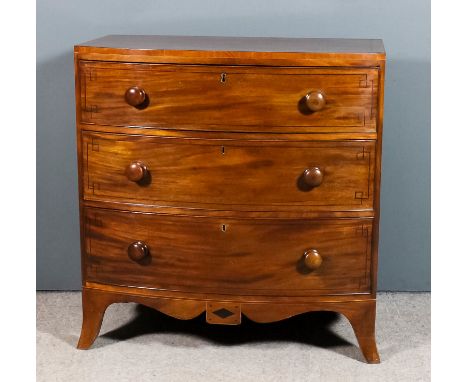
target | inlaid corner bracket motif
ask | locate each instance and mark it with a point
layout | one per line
(366, 156)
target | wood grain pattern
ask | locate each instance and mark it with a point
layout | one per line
(238, 174)
(227, 44)
(377, 178)
(223, 313)
(235, 50)
(95, 303)
(249, 99)
(94, 306)
(191, 153)
(227, 255)
(361, 314)
(229, 134)
(213, 297)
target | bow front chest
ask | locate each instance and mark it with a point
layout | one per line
(230, 177)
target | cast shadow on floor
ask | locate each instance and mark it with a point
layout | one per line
(309, 328)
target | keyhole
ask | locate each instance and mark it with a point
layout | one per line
(223, 228)
(223, 77)
(222, 150)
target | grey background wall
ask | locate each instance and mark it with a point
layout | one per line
(403, 25)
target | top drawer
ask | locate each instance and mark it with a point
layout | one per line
(229, 98)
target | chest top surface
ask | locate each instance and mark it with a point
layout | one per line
(239, 44)
(235, 50)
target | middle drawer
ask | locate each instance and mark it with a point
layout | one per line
(228, 174)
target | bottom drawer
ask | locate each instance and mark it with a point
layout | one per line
(228, 256)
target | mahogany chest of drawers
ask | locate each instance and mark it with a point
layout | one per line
(230, 177)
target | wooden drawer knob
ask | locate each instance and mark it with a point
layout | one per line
(136, 171)
(313, 176)
(315, 101)
(135, 96)
(312, 259)
(138, 250)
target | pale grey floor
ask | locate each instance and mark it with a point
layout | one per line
(137, 344)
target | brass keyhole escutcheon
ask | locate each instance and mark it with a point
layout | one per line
(223, 77)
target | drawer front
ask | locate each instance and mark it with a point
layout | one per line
(239, 175)
(228, 256)
(248, 99)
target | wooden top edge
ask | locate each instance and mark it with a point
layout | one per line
(161, 45)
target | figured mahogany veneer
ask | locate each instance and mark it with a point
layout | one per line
(229, 256)
(248, 99)
(261, 175)
(230, 177)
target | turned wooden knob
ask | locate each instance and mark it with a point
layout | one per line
(312, 259)
(313, 176)
(315, 101)
(138, 250)
(135, 96)
(136, 171)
